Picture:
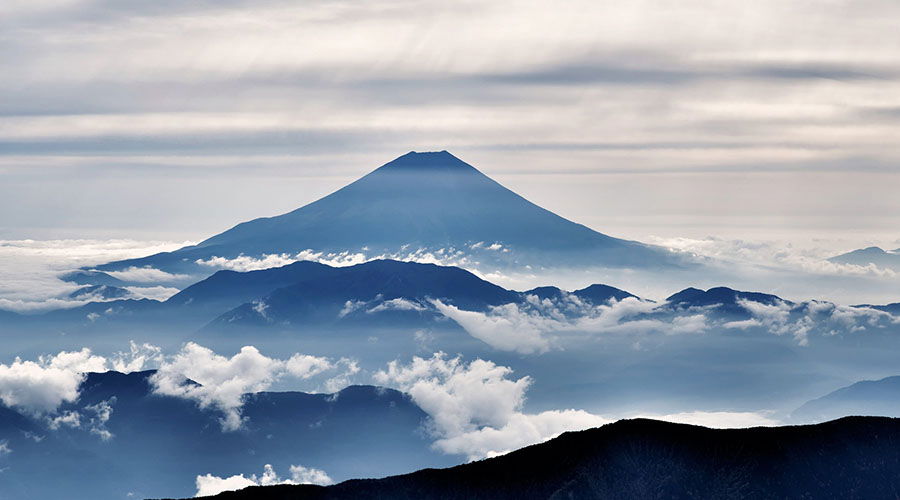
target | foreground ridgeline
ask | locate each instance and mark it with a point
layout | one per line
(854, 457)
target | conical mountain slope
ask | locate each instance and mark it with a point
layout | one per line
(420, 200)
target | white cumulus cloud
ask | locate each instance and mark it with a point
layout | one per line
(475, 408)
(221, 382)
(209, 484)
(504, 327)
(41, 386)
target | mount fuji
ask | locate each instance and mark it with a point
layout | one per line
(429, 200)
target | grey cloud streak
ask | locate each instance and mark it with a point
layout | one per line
(645, 89)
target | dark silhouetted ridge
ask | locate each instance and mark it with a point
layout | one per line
(854, 457)
(599, 294)
(720, 295)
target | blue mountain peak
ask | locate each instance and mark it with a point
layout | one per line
(419, 200)
(429, 162)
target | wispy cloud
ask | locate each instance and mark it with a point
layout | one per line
(774, 87)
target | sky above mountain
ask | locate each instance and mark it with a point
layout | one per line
(171, 120)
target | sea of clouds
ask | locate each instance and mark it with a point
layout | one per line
(30, 270)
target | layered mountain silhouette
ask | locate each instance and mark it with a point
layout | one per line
(399, 291)
(854, 457)
(377, 292)
(595, 294)
(158, 444)
(867, 397)
(428, 200)
(392, 294)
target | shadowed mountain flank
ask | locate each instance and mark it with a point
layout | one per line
(420, 200)
(854, 457)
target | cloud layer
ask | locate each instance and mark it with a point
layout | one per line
(536, 326)
(30, 270)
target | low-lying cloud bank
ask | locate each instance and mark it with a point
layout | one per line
(30, 270)
(29, 275)
(538, 325)
(771, 254)
(718, 419)
(469, 258)
(208, 484)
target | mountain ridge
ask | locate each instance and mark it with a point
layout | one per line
(867, 397)
(877, 256)
(853, 457)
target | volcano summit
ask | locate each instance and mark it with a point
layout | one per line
(429, 201)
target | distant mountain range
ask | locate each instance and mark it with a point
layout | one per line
(723, 299)
(387, 293)
(159, 443)
(420, 200)
(854, 457)
(885, 259)
(889, 308)
(309, 293)
(868, 397)
(399, 290)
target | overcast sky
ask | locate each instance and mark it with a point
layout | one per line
(176, 119)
